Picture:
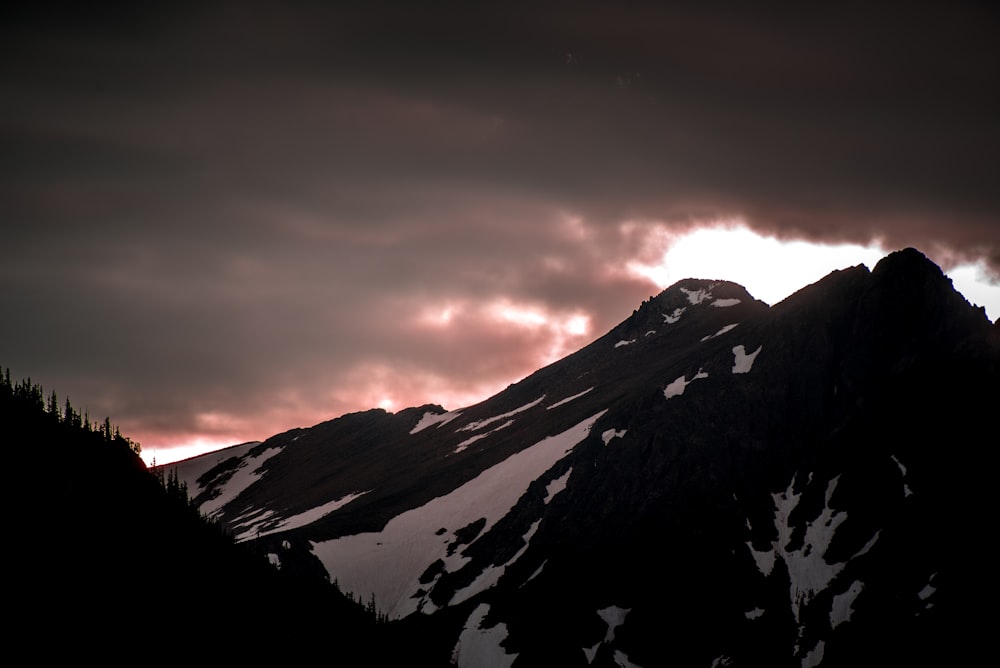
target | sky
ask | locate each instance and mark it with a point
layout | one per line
(224, 220)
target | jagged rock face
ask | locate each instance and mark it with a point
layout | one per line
(713, 482)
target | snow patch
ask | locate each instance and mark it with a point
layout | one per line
(623, 342)
(742, 361)
(622, 660)
(814, 657)
(902, 469)
(698, 296)
(389, 563)
(431, 418)
(928, 590)
(724, 303)
(675, 316)
(613, 616)
(479, 647)
(843, 604)
(612, 433)
(676, 388)
(754, 614)
(568, 399)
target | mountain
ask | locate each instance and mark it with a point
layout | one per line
(714, 482)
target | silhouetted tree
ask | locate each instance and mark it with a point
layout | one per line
(53, 408)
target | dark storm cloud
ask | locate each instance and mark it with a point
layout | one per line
(256, 209)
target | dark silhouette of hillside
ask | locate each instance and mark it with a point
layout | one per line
(108, 557)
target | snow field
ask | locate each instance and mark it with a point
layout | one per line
(389, 563)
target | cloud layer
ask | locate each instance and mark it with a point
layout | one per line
(235, 217)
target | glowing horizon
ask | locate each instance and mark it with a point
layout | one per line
(769, 268)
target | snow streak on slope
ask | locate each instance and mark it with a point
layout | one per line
(472, 439)
(261, 526)
(479, 424)
(722, 331)
(431, 418)
(557, 485)
(390, 562)
(562, 402)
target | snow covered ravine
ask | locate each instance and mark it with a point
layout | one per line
(248, 473)
(262, 523)
(809, 573)
(389, 563)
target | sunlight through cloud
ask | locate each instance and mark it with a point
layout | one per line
(772, 269)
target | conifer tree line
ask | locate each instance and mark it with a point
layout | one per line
(125, 522)
(32, 396)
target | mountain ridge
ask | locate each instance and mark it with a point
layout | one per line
(786, 454)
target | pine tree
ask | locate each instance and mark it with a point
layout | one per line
(53, 408)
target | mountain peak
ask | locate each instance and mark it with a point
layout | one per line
(907, 280)
(908, 260)
(690, 292)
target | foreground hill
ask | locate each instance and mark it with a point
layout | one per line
(105, 560)
(714, 482)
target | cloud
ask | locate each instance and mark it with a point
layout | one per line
(228, 218)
